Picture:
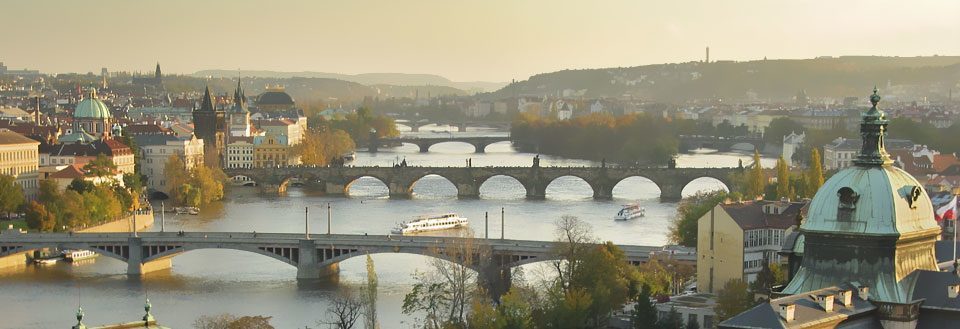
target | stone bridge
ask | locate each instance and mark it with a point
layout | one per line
(400, 180)
(314, 257)
(722, 144)
(461, 125)
(479, 143)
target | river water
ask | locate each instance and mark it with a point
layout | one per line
(206, 282)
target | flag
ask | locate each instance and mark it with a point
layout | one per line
(947, 211)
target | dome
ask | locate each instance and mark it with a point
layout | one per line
(92, 108)
(275, 96)
(871, 200)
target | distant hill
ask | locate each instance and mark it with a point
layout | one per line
(397, 79)
(751, 80)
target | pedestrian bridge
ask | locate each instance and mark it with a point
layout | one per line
(314, 257)
(467, 180)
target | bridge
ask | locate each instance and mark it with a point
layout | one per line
(314, 257)
(479, 143)
(722, 144)
(467, 180)
(416, 124)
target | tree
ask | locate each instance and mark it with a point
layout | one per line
(573, 238)
(644, 312)
(683, 229)
(445, 292)
(756, 179)
(779, 127)
(100, 167)
(175, 173)
(229, 321)
(11, 196)
(345, 309)
(38, 218)
(370, 297)
(514, 311)
(81, 185)
(815, 173)
(783, 179)
(734, 298)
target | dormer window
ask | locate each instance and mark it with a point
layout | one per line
(848, 204)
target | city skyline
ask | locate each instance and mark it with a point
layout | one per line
(489, 41)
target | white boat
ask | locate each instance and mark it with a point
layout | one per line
(78, 255)
(188, 210)
(630, 211)
(350, 156)
(431, 223)
(46, 260)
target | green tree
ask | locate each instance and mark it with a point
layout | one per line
(100, 167)
(11, 196)
(734, 298)
(814, 173)
(683, 229)
(514, 311)
(38, 218)
(644, 312)
(370, 297)
(81, 185)
(756, 179)
(783, 179)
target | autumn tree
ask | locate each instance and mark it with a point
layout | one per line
(38, 218)
(370, 297)
(756, 182)
(229, 321)
(783, 179)
(345, 310)
(444, 293)
(644, 312)
(99, 167)
(321, 147)
(734, 298)
(683, 228)
(814, 173)
(11, 196)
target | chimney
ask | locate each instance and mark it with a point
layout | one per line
(953, 290)
(826, 302)
(787, 310)
(846, 297)
(864, 292)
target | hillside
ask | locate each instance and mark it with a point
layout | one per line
(301, 89)
(751, 80)
(397, 79)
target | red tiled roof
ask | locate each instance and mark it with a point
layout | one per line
(749, 215)
(70, 172)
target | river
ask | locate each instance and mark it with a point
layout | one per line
(224, 281)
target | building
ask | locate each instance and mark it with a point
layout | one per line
(239, 153)
(791, 145)
(65, 175)
(841, 152)
(91, 120)
(735, 240)
(157, 149)
(275, 99)
(697, 307)
(19, 158)
(271, 151)
(77, 153)
(155, 81)
(868, 248)
(209, 124)
(283, 127)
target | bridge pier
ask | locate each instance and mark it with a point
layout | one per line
(496, 279)
(135, 264)
(424, 147)
(480, 147)
(671, 192)
(468, 190)
(334, 189)
(536, 192)
(400, 190)
(602, 192)
(462, 127)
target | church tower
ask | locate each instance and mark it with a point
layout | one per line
(209, 125)
(239, 115)
(158, 75)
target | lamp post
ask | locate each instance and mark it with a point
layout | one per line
(306, 222)
(328, 218)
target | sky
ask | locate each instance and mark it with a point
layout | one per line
(482, 40)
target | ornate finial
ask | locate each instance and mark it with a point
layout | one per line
(147, 306)
(875, 98)
(79, 315)
(873, 131)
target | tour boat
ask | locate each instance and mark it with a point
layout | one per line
(78, 255)
(431, 223)
(630, 211)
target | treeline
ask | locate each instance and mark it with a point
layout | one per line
(195, 186)
(634, 138)
(326, 141)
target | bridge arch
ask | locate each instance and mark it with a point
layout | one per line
(570, 183)
(350, 181)
(506, 184)
(433, 177)
(108, 250)
(704, 183)
(476, 148)
(636, 187)
(286, 255)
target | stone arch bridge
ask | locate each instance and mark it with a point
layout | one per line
(479, 143)
(400, 180)
(315, 257)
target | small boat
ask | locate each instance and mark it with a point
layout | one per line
(350, 156)
(78, 255)
(47, 260)
(431, 223)
(188, 210)
(630, 211)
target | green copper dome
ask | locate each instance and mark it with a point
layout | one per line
(92, 108)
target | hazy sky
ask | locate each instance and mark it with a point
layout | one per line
(491, 40)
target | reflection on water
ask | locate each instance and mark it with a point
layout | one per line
(216, 281)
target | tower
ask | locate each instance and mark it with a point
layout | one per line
(209, 125)
(157, 75)
(239, 120)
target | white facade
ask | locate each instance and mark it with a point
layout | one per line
(155, 158)
(239, 154)
(19, 159)
(791, 144)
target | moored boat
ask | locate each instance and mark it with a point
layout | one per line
(77, 255)
(431, 223)
(630, 211)
(47, 260)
